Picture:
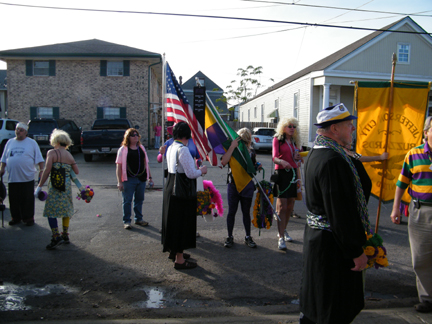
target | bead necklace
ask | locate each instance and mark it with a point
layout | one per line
(139, 166)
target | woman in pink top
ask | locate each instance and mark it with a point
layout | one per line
(286, 157)
(132, 174)
(157, 131)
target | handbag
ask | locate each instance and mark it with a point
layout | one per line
(183, 186)
(274, 177)
(58, 176)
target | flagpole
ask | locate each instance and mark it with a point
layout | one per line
(244, 159)
(164, 104)
(386, 140)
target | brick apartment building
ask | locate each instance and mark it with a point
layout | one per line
(83, 81)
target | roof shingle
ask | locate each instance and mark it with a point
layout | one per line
(86, 48)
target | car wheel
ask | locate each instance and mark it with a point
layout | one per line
(88, 157)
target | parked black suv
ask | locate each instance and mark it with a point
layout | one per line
(40, 130)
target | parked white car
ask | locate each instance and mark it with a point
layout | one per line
(7, 131)
(262, 138)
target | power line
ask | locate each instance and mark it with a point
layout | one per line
(338, 8)
(245, 36)
(216, 17)
(345, 13)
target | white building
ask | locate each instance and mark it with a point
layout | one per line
(327, 82)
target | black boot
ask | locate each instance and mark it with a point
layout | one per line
(54, 243)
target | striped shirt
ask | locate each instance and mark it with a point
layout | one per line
(416, 170)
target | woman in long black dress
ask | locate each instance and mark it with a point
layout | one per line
(180, 204)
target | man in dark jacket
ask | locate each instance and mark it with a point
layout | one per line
(337, 219)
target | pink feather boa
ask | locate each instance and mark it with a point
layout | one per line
(216, 197)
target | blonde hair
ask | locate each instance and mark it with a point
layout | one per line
(59, 136)
(246, 135)
(280, 135)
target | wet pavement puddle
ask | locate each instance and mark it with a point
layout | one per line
(155, 298)
(12, 297)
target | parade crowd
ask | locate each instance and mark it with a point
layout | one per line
(336, 187)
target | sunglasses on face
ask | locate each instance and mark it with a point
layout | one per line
(134, 135)
(20, 130)
(292, 126)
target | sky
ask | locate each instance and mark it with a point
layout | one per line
(217, 47)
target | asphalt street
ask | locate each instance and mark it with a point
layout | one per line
(104, 263)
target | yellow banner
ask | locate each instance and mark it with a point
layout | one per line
(410, 101)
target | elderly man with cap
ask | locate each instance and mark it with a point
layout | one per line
(416, 176)
(20, 156)
(337, 222)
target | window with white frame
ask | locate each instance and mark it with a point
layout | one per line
(115, 68)
(404, 53)
(296, 105)
(248, 114)
(111, 113)
(40, 67)
(276, 104)
(242, 116)
(201, 81)
(45, 112)
(255, 112)
(262, 113)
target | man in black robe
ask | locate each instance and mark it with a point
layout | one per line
(333, 257)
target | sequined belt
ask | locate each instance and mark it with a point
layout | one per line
(318, 221)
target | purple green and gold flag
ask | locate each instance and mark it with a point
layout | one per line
(220, 136)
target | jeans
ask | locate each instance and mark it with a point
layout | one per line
(133, 188)
(157, 141)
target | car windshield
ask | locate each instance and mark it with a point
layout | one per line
(265, 132)
(41, 127)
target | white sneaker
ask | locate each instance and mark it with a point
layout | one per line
(281, 244)
(287, 237)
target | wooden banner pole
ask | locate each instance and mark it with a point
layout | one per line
(386, 140)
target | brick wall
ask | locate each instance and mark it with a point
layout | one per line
(78, 89)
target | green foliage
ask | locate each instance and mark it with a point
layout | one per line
(246, 87)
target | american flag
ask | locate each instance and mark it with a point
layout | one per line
(179, 109)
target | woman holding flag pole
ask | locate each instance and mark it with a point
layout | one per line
(244, 197)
